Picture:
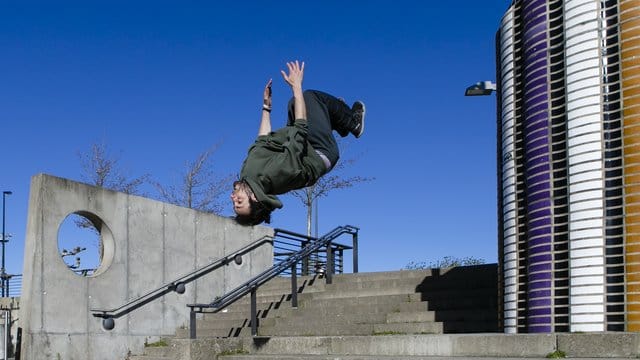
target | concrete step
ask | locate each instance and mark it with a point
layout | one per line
(298, 316)
(340, 329)
(411, 316)
(314, 280)
(408, 328)
(271, 298)
(350, 318)
(318, 330)
(358, 313)
(307, 283)
(215, 333)
(223, 324)
(407, 285)
(440, 299)
(597, 345)
(323, 319)
(412, 347)
(384, 357)
(309, 300)
(295, 318)
(267, 302)
(405, 302)
(347, 293)
(322, 308)
(278, 289)
(489, 345)
(367, 308)
(285, 287)
(414, 279)
(354, 293)
(315, 302)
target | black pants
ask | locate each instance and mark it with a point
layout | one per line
(325, 113)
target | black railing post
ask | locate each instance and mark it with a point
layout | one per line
(18, 343)
(340, 262)
(254, 312)
(355, 252)
(329, 272)
(294, 286)
(192, 324)
(305, 261)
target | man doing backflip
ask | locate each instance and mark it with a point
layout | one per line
(297, 155)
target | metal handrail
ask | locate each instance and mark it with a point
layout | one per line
(252, 285)
(177, 285)
(285, 247)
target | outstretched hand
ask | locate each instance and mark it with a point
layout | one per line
(266, 96)
(296, 74)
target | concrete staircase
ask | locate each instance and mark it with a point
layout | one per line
(402, 302)
(404, 315)
(361, 307)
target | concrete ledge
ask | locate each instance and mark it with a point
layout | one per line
(503, 345)
(600, 345)
(393, 345)
(605, 345)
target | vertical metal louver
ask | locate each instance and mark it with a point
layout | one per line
(507, 189)
(613, 178)
(537, 144)
(629, 14)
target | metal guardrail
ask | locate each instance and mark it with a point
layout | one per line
(177, 285)
(311, 246)
(287, 243)
(13, 285)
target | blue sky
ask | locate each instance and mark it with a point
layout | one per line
(161, 81)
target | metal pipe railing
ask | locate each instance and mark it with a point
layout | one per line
(290, 262)
(177, 285)
(291, 242)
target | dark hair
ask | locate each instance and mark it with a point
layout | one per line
(258, 214)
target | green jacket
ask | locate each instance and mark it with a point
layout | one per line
(281, 161)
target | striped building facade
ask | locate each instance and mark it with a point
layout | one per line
(568, 76)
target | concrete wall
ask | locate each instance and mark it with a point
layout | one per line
(12, 305)
(146, 243)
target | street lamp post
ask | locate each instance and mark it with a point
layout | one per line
(3, 273)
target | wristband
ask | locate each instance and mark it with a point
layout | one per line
(266, 108)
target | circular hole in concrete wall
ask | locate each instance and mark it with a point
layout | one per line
(85, 244)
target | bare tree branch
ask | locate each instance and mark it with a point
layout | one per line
(326, 184)
(200, 188)
(101, 168)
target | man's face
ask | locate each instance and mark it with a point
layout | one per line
(240, 199)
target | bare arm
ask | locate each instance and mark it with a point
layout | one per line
(294, 79)
(265, 122)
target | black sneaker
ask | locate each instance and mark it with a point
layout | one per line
(358, 118)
